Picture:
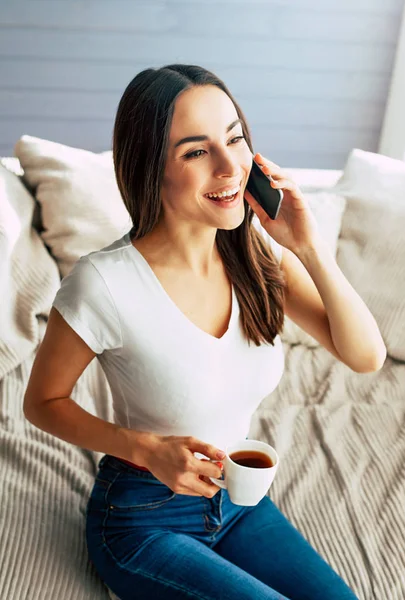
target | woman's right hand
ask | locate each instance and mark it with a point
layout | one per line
(171, 460)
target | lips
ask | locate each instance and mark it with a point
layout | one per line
(225, 198)
(225, 189)
(226, 202)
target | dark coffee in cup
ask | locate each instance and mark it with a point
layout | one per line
(252, 459)
(250, 467)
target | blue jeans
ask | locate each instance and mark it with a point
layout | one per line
(148, 542)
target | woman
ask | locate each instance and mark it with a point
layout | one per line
(184, 314)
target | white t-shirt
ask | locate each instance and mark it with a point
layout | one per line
(166, 374)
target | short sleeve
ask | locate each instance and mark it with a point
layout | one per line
(86, 304)
(276, 248)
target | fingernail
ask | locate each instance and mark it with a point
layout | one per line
(221, 454)
(220, 465)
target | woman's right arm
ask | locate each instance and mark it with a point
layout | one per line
(61, 359)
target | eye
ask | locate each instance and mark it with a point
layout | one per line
(236, 139)
(195, 153)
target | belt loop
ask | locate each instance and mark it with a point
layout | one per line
(102, 461)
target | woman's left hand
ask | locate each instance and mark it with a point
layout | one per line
(295, 227)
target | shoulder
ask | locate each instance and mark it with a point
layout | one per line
(109, 255)
(91, 279)
(98, 266)
(86, 298)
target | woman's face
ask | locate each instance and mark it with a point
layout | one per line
(219, 161)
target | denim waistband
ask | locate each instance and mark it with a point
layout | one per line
(112, 462)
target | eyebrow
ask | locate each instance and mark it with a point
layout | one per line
(201, 138)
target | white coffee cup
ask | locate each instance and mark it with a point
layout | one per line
(247, 485)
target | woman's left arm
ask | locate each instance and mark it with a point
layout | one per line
(324, 304)
(318, 296)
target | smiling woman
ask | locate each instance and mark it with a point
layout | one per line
(184, 314)
(195, 141)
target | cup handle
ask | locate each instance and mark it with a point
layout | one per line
(219, 482)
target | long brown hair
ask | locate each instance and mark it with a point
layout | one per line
(140, 141)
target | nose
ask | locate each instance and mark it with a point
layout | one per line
(227, 164)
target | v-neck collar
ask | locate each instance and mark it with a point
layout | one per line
(135, 252)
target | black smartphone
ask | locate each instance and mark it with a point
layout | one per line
(259, 186)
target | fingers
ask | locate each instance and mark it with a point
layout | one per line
(279, 179)
(210, 469)
(285, 184)
(270, 168)
(262, 161)
(207, 491)
(275, 173)
(205, 486)
(197, 485)
(208, 450)
(210, 489)
(202, 468)
(192, 484)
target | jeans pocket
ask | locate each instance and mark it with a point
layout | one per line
(129, 493)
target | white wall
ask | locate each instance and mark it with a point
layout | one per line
(392, 142)
(311, 75)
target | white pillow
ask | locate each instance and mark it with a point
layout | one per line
(314, 180)
(82, 209)
(373, 177)
(328, 209)
(372, 246)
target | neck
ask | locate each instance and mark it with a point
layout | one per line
(183, 251)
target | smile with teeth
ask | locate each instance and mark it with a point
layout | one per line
(226, 196)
